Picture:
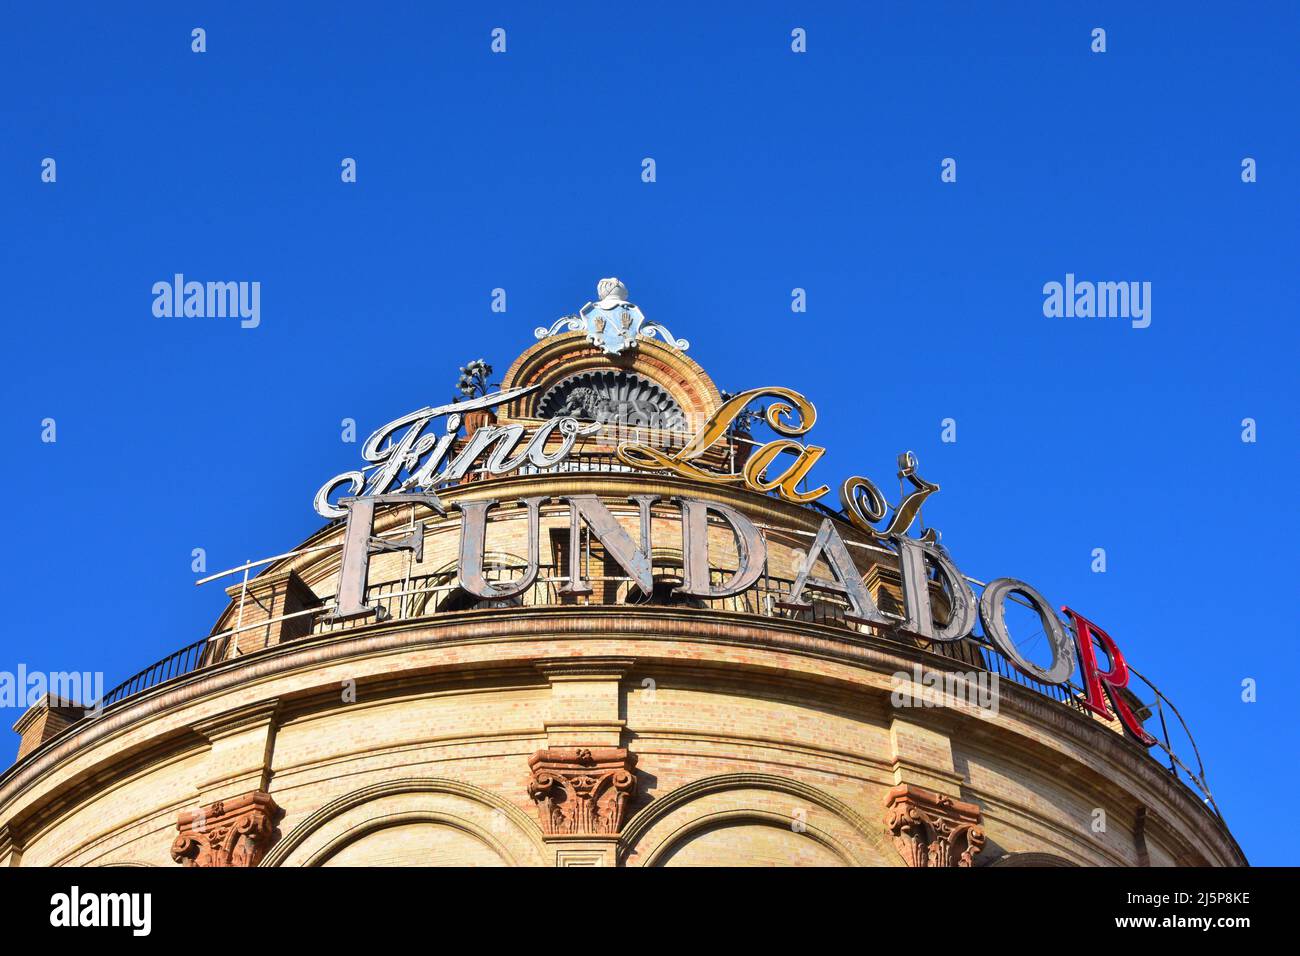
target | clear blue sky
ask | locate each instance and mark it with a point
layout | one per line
(775, 170)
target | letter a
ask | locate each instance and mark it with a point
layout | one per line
(830, 547)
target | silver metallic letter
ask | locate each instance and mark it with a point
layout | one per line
(831, 545)
(359, 544)
(751, 550)
(993, 617)
(473, 540)
(916, 592)
(606, 529)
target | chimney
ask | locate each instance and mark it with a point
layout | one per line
(271, 596)
(45, 719)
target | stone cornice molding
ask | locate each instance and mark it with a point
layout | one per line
(234, 721)
(584, 668)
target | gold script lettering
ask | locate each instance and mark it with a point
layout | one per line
(864, 504)
(792, 415)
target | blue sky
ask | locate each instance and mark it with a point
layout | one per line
(774, 171)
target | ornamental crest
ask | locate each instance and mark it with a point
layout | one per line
(612, 323)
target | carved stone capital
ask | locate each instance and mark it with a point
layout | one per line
(581, 791)
(930, 829)
(234, 832)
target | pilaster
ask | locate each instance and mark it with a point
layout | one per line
(239, 759)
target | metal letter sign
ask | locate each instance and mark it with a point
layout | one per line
(993, 612)
(848, 581)
(418, 455)
(751, 550)
(754, 475)
(359, 544)
(1115, 679)
(618, 543)
(864, 505)
(405, 455)
(912, 556)
(473, 540)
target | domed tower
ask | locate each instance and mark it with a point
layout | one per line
(578, 618)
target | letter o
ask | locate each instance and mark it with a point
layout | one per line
(993, 618)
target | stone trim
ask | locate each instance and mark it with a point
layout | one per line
(584, 668)
(644, 628)
(645, 819)
(296, 837)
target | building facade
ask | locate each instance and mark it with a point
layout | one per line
(579, 619)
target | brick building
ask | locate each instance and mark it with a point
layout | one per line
(580, 702)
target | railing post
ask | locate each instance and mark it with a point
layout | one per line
(239, 618)
(1164, 728)
(406, 581)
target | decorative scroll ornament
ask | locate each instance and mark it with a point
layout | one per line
(930, 829)
(580, 790)
(228, 833)
(612, 323)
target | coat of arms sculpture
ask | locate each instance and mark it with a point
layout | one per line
(612, 323)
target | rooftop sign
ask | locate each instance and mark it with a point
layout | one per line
(410, 458)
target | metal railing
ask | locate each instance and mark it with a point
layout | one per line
(596, 453)
(428, 595)
(189, 658)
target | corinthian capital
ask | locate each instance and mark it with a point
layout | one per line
(234, 832)
(582, 791)
(930, 829)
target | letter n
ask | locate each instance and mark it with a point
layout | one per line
(618, 543)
